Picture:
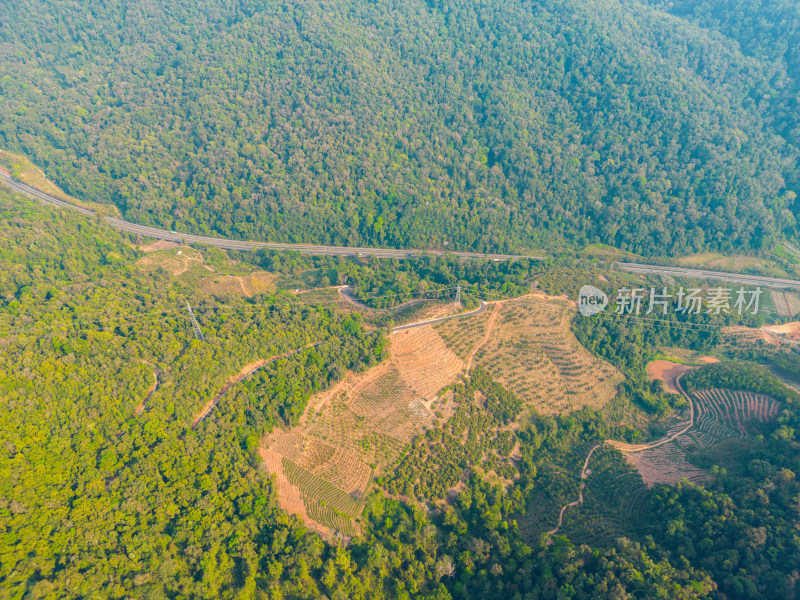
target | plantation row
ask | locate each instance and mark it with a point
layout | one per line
(589, 525)
(533, 314)
(339, 426)
(380, 396)
(665, 464)
(549, 369)
(615, 484)
(364, 426)
(725, 413)
(786, 304)
(288, 444)
(341, 467)
(330, 518)
(614, 500)
(462, 335)
(322, 491)
(473, 437)
(699, 438)
(425, 363)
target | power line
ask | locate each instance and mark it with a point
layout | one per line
(295, 302)
(198, 333)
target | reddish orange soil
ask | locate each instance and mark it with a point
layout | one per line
(289, 496)
(750, 335)
(667, 371)
(791, 330)
(708, 360)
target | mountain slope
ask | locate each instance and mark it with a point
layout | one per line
(500, 126)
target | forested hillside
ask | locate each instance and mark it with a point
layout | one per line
(765, 29)
(100, 493)
(496, 126)
(98, 498)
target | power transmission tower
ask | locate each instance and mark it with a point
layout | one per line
(458, 294)
(198, 333)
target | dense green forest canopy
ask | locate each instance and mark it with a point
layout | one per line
(443, 124)
(768, 30)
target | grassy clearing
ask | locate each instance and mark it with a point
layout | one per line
(206, 270)
(176, 261)
(735, 263)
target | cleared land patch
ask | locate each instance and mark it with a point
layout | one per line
(534, 354)
(718, 415)
(787, 304)
(667, 371)
(175, 260)
(462, 335)
(360, 428)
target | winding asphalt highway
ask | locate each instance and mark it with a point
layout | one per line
(228, 244)
(740, 278)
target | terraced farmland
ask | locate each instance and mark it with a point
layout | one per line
(359, 429)
(665, 464)
(727, 414)
(615, 485)
(718, 415)
(534, 354)
(462, 335)
(786, 304)
(327, 494)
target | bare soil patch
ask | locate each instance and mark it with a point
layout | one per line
(748, 336)
(357, 429)
(158, 245)
(176, 261)
(707, 360)
(791, 330)
(289, 496)
(667, 371)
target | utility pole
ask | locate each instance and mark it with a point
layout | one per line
(458, 294)
(198, 333)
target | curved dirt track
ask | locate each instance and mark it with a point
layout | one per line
(247, 370)
(579, 501)
(489, 326)
(150, 391)
(623, 447)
